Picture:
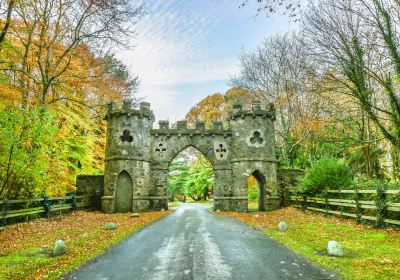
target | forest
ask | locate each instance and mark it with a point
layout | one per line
(334, 83)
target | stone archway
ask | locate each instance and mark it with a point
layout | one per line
(123, 193)
(261, 189)
(243, 144)
(181, 160)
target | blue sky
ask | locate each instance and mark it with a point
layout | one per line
(188, 49)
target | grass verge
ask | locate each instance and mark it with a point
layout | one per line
(25, 249)
(369, 253)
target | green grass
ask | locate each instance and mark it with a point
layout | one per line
(25, 249)
(369, 253)
(200, 201)
(174, 203)
(252, 205)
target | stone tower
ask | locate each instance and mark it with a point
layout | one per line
(127, 158)
(253, 153)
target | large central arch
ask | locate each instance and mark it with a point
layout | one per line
(168, 145)
(194, 154)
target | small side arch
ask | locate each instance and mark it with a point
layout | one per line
(261, 188)
(123, 201)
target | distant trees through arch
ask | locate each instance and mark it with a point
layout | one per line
(190, 177)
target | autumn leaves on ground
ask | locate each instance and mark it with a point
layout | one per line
(369, 253)
(25, 249)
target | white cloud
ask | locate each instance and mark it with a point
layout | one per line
(189, 42)
(171, 46)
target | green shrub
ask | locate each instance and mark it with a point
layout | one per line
(327, 173)
(368, 184)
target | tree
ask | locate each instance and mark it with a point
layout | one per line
(57, 61)
(215, 107)
(8, 7)
(290, 7)
(355, 44)
(52, 33)
(178, 176)
(26, 146)
(277, 72)
(200, 180)
(209, 110)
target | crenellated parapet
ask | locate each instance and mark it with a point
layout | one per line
(129, 108)
(181, 128)
(254, 109)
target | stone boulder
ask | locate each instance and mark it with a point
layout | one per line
(334, 249)
(135, 215)
(283, 226)
(111, 226)
(59, 248)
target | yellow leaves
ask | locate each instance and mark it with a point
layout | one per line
(209, 109)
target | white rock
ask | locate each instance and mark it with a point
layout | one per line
(334, 249)
(135, 215)
(59, 248)
(111, 226)
(283, 226)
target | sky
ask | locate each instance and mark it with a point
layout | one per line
(187, 49)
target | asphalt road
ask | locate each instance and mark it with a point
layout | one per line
(192, 243)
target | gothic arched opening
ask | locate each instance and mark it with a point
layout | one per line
(190, 177)
(255, 191)
(124, 193)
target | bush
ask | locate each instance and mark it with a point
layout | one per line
(374, 184)
(327, 173)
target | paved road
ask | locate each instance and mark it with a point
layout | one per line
(192, 243)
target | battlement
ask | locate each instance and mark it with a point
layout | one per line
(129, 108)
(182, 128)
(254, 109)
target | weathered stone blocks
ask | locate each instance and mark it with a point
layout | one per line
(138, 157)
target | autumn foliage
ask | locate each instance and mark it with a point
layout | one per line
(57, 72)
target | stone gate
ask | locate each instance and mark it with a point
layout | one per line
(137, 157)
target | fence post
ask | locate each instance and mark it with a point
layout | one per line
(341, 202)
(304, 203)
(380, 206)
(326, 203)
(358, 207)
(46, 206)
(73, 201)
(4, 209)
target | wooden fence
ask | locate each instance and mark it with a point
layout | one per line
(383, 209)
(44, 206)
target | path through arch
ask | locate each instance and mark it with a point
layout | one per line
(190, 177)
(256, 191)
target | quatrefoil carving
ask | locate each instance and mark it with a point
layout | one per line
(220, 150)
(161, 148)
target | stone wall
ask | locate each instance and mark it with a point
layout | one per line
(287, 178)
(91, 186)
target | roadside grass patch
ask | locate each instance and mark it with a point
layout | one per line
(252, 205)
(369, 253)
(26, 248)
(174, 204)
